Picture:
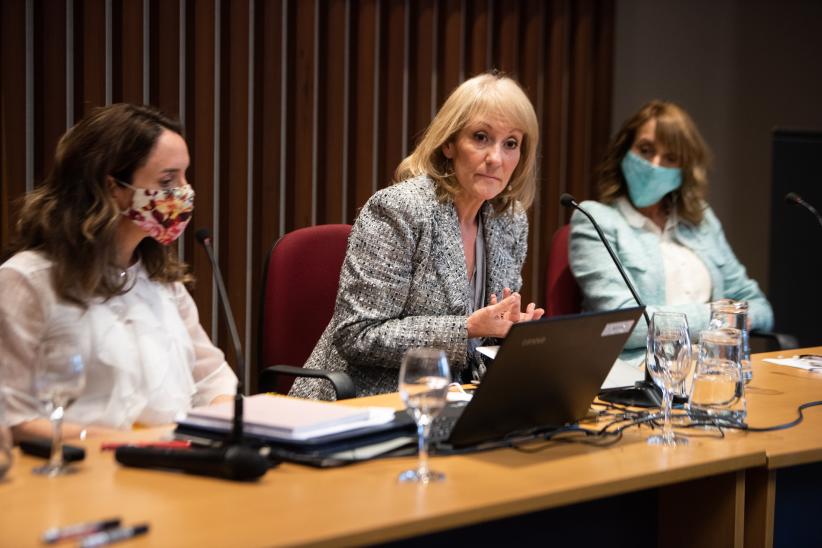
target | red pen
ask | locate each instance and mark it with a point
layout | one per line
(173, 444)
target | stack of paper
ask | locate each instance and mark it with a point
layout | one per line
(283, 418)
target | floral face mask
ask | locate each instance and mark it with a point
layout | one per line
(163, 213)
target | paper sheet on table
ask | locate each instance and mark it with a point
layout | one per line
(622, 373)
(808, 364)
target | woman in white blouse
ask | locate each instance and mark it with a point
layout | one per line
(92, 246)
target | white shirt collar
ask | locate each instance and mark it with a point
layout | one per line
(638, 220)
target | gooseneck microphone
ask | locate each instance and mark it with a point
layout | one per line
(204, 238)
(795, 199)
(644, 393)
(233, 461)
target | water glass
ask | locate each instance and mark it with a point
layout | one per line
(669, 362)
(423, 383)
(718, 388)
(730, 313)
(59, 378)
(5, 440)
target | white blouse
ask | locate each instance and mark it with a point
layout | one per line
(687, 279)
(147, 356)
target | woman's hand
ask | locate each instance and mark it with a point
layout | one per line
(531, 311)
(497, 318)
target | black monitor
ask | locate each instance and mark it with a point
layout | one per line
(796, 236)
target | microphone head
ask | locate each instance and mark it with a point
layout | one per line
(203, 235)
(792, 198)
(566, 200)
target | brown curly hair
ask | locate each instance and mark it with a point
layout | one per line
(72, 217)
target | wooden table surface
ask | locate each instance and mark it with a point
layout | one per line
(363, 503)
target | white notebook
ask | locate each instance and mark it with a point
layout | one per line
(288, 418)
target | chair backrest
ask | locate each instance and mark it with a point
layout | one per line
(561, 290)
(299, 289)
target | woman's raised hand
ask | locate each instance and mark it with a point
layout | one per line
(497, 318)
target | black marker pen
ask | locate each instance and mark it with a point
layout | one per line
(114, 535)
(56, 534)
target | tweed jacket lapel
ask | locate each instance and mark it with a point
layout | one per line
(451, 257)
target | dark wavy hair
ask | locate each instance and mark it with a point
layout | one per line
(677, 132)
(72, 217)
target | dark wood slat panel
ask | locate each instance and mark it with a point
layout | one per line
(361, 130)
(451, 48)
(532, 60)
(477, 39)
(580, 97)
(233, 174)
(49, 83)
(603, 85)
(200, 136)
(421, 66)
(506, 37)
(300, 143)
(554, 127)
(12, 113)
(90, 56)
(392, 54)
(164, 55)
(266, 205)
(127, 51)
(331, 112)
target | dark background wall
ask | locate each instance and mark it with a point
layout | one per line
(741, 68)
(296, 111)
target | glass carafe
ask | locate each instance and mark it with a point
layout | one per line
(718, 387)
(730, 313)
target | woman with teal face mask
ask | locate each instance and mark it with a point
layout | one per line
(652, 209)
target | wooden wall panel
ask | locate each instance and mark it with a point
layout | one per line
(12, 112)
(296, 111)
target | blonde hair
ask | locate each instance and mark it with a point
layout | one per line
(676, 132)
(475, 99)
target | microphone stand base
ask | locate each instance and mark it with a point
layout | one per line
(642, 394)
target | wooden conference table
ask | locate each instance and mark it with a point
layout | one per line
(725, 487)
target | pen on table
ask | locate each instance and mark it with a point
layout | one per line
(113, 535)
(173, 444)
(56, 534)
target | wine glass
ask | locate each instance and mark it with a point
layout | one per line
(59, 378)
(670, 362)
(5, 438)
(424, 379)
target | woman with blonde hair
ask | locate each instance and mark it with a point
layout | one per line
(436, 259)
(92, 249)
(652, 209)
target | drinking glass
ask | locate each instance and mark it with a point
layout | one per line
(59, 378)
(730, 313)
(424, 379)
(5, 439)
(718, 388)
(669, 366)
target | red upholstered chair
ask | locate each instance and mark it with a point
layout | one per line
(561, 290)
(299, 289)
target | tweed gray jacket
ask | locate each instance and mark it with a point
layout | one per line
(404, 284)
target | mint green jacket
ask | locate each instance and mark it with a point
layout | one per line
(603, 288)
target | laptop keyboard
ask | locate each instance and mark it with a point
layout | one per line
(444, 422)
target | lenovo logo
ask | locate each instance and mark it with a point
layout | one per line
(533, 341)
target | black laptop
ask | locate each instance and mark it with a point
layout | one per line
(545, 375)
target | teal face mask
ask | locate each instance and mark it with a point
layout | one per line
(647, 183)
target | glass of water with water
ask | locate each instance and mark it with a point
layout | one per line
(730, 313)
(718, 388)
(424, 380)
